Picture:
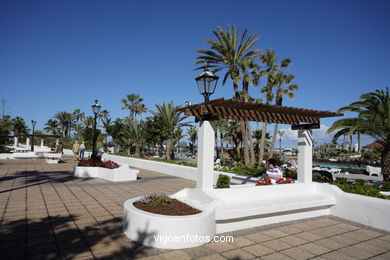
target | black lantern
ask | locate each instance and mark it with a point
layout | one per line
(96, 109)
(33, 122)
(207, 82)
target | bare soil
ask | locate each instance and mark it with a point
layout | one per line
(175, 208)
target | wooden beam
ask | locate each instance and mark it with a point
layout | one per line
(305, 126)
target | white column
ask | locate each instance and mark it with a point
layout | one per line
(206, 133)
(41, 142)
(15, 141)
(57, 142)
(305, 155)
(27, 141)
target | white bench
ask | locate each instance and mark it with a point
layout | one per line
(250, 206)
(52, 158)
(374, 171)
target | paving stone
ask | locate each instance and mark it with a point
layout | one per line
(200, 251)
(293, 240)
(314, 248)
(337, 256)
(362, 251)
(363, 234)
(385, 256)
(258, 250)
(259, 237)
(276, 256)
(212, 257)
(309, 235)
(275, 233)
(221, 247)
(237, 254)
(379, 243)
(329, 243)
(276, 245)
(174, 254)
(241, 242)
(297, 253)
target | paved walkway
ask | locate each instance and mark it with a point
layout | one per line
(45, 213)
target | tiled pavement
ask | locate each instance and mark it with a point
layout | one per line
(45, 213)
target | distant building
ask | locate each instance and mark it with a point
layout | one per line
(373, 146)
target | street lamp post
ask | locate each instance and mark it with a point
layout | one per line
(96, 109)
(206, 82)
(33, 122)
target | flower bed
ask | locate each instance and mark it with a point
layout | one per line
(268, 181)
(160, 203)
(98, 163)
(111, 172)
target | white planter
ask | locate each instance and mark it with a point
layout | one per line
(6, 156)
(123, 173)
(175, 232)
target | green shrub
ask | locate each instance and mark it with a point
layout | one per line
(249, 170)
(340, 180)
(4, 149)
(386, 186)
(359, 182)
(290, 174)
(223, 181)
(366, 190)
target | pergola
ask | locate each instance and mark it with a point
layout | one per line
(32, 135)
(300, 119)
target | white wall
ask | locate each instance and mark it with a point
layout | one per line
(185, 172)
(373, 212)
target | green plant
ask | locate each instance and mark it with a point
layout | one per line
(290, 174)
(223, 181)
(155, 199)
(340, 180)
(359, 182)
(386, 186)
(366, 190)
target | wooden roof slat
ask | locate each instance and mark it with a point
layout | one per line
(236, 109)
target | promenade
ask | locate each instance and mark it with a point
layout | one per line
(46, 213)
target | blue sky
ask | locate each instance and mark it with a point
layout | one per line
(61, 55)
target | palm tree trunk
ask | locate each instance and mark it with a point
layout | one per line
(221, 137)
(251, 146)
(350, 141)
(262, 143)
(169, 149)
(359, 144)
(271, 154)
(245, 141)
(385, 162)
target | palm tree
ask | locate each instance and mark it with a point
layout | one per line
(373, 119)
(171, 119)
(191, 132)
(19, 126)
(284, 87)
(77, 116)
(228, 53)
(280, 133)
(132, 103)
(65, 122)
(134, 130)
(51, 126)
(140, 109)
(269, 60)
(258, 134)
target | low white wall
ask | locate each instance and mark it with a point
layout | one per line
(373, 212)
(181, 171)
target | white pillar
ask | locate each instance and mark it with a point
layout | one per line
(305, 155)
(57, 142)
(206, 133)
(27, 141)
(41, 142)
(15, 141)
